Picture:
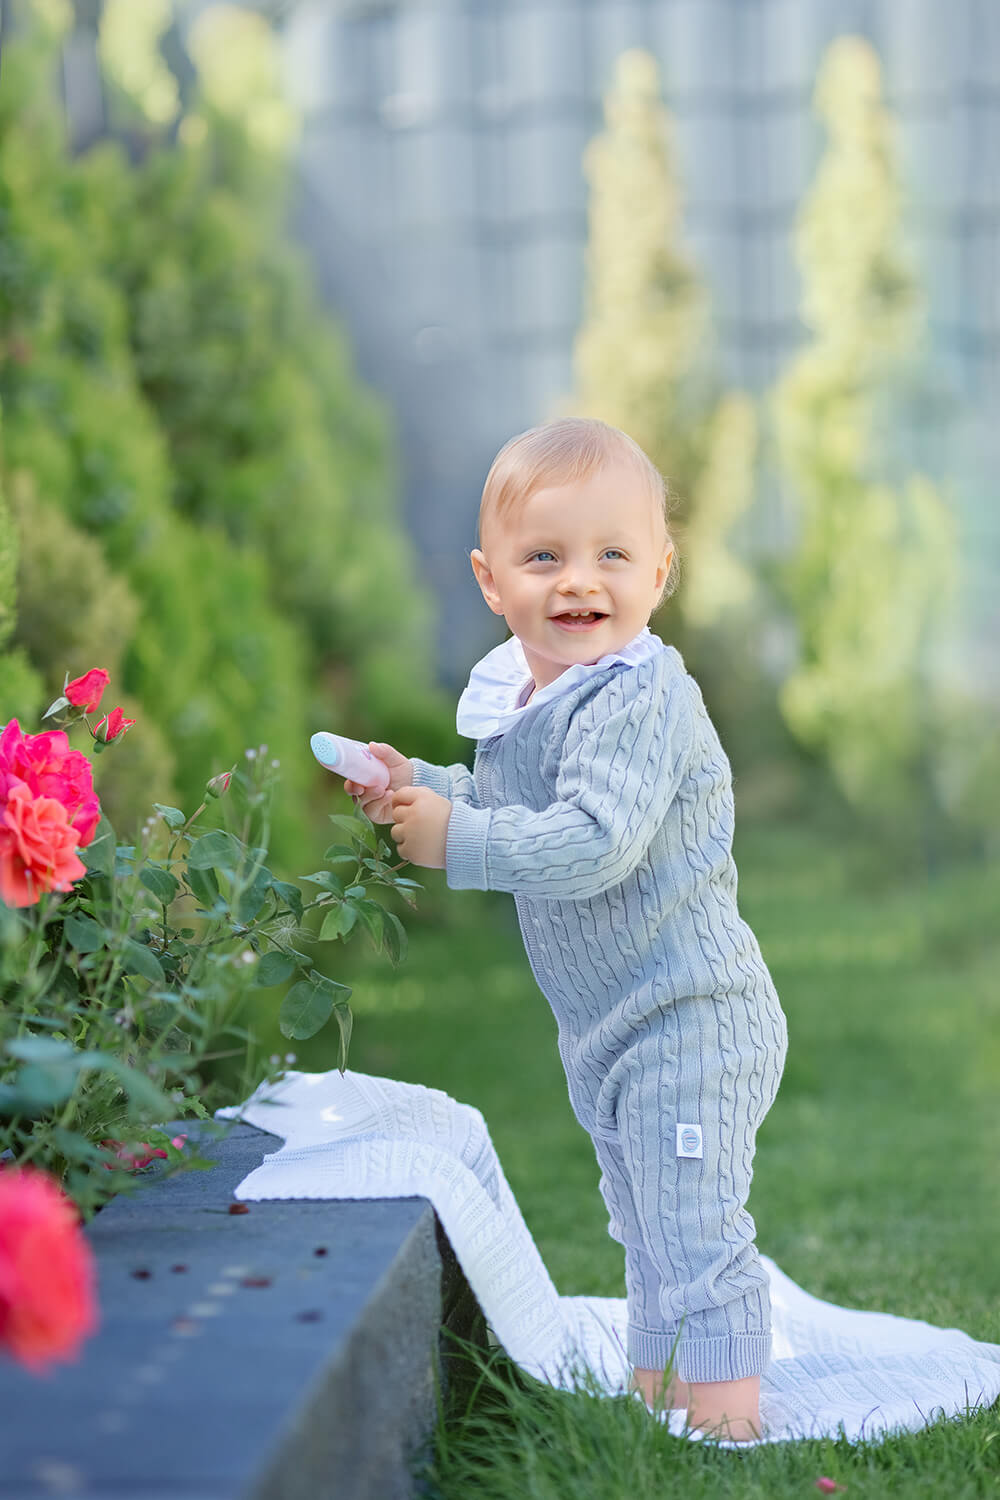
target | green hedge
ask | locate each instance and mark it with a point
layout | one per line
(203, 494)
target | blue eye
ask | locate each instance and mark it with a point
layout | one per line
(546, 553)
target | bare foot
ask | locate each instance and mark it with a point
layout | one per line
(727, 1409)
(676, 1394)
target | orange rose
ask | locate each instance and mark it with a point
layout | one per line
(47, 1273)
(49, 768)
(37, 848)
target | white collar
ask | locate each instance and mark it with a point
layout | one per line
(491, 701)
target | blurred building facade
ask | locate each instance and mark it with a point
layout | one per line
(444, 199)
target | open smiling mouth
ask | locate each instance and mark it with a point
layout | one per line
(579, 621)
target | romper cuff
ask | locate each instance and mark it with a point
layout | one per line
(728, 1357)
(465, 848)
(427, 774)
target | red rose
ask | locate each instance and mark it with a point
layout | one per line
(37, 848)
(132, 1158)
(47, 1274)
(85, 692)
(112, 726)
(49, 768)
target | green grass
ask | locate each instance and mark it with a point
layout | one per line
(877, 1176)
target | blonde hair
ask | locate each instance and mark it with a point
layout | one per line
(561, 452)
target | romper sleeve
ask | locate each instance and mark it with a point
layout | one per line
(625, 755)
(454, 782)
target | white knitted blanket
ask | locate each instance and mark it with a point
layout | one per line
(834, 1371)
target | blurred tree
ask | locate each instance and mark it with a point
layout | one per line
(643, 362)
(874, 570)
(638, 356)
(21, 687)
(193, 453)
(272, 436)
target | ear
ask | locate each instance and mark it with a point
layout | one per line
(484, 578)
(664, 569)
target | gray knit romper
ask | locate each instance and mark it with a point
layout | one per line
(608, 813)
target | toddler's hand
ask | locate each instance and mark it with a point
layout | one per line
(420, 826)
(378, 805)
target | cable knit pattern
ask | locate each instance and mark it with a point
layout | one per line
(608, 814)
(834, 1372)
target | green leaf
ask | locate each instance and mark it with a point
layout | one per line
(345, 1022)
(36, 1089)
(204, 886)
(217, 850)
(290, 894)
(327, 880)
(342, 852)
(304, 1010)
(138, 959)
(355, 890)
(395, 936)
(76, 1147)
(163, 885)
(338, 921)
(172, 816)
(253, 898)
(324, 982)
(274, 968)
(360, 828)
(84, 934)
(350, 825)
(373, 917)
(99, 854)
(39, 1049)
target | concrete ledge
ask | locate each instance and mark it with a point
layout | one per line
(288, 1353)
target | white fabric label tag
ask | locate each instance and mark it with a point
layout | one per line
(689, 1140)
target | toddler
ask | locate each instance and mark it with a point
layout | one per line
(602, 799)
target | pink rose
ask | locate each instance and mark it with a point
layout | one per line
(49, 768)
(47, 1274)
(112, 727)
(37, 848)
(85, 692)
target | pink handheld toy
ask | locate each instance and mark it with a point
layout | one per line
(350, 759)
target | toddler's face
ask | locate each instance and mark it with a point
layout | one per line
(595, 545)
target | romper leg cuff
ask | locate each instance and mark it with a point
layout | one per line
(729, 1357)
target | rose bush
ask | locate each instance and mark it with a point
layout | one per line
(126, 968)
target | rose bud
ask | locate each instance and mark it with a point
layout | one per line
(85, 692)
(112, 727)
(219, 785)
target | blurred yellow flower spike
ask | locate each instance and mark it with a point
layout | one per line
(129, 47)
(239, 67)
(55, 15)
